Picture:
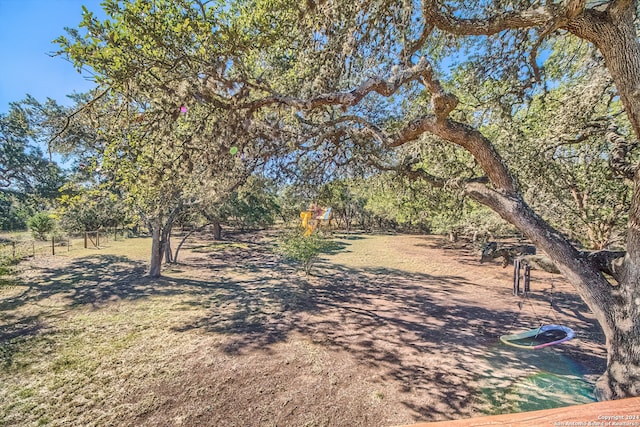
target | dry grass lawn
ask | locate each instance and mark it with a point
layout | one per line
(389, 330)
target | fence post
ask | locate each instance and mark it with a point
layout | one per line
(53, 245)
(85, 240)
(33, 248)
(13, 246)
(516, 276)
(98, 238)
(527, 278)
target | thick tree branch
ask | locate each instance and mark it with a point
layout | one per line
(347, 99)
(538, 16)
(78, 111)
(467, 137)
(568, 260)
(438, 123)
(609, 262)
(409, 51)
(437, 181)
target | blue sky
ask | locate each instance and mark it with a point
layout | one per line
(27, 29)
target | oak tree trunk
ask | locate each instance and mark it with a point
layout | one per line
(168, 252)
(157, 249)
(614, 34)
(615, 302)
(622, 377)
(615, 306)
(217, 230)
(160, 228)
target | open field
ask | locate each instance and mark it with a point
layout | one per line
(390, 330)
(23, 245)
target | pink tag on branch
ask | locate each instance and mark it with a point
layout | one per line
(183, 109)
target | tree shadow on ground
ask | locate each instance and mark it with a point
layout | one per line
(396, 321)
(91, 280)
(47, 292)
(403, 324)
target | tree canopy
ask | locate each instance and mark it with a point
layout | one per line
(29, 182)
(511, 104)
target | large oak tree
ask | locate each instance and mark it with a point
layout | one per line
(363, 80)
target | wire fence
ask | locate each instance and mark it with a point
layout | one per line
(12, 250)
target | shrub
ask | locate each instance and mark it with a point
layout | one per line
(41, 224)
(303, 249)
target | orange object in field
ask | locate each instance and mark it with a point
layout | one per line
(306, 216)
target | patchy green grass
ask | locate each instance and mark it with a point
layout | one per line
(219, 247)
(70, 368)
(138, 249)
(27, 247)
(84, 333)
(235, 336)
(59, 354)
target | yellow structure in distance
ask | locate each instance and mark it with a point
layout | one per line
(314, 217)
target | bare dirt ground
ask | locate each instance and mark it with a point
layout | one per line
(389, 330)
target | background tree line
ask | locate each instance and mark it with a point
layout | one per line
(81, 198)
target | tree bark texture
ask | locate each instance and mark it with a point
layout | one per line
(217, 230)
(614, 34)
(168, 252)
(157, 249)
(160, 234)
